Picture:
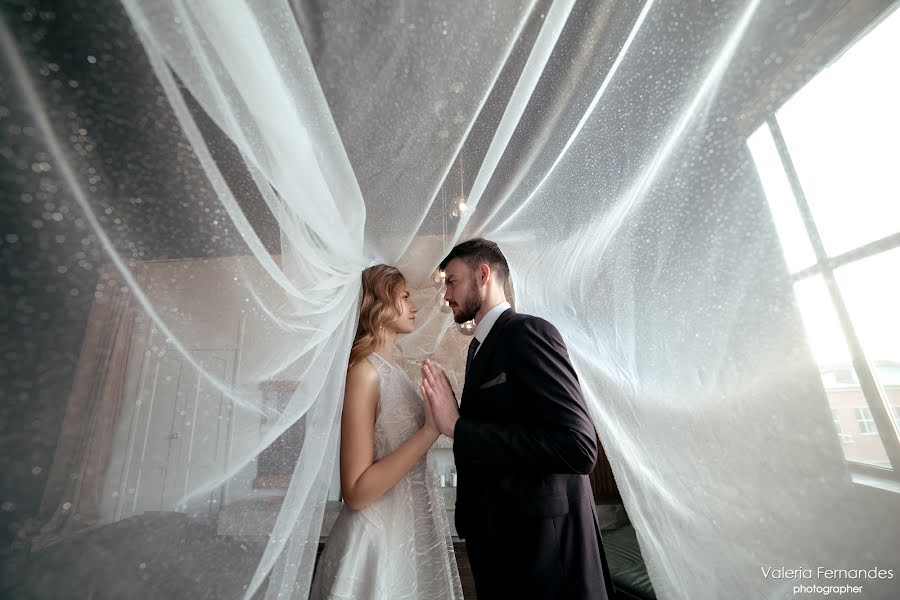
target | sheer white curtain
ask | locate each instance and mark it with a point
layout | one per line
(248, 67)
(636, 225)
(613, 173)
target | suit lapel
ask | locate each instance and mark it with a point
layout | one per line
(482, 359)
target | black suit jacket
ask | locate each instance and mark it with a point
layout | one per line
(523, 447)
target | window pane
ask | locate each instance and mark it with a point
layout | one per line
(838, 426)
(865, 421)
(823, 332)
(842, 131)
(889, 377)
(889, 374)
(871, 290)
(829, 349)
(795, 244)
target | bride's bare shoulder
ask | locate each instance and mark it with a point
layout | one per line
(362, 375)
(363, 391)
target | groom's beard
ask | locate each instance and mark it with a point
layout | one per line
(470, 305)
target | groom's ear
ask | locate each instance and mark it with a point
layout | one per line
(484, 273)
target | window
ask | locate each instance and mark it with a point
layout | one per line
(827, 162)
(836, 417)
(864, 418)
(833, 378)
(845, 438)
(889, 375)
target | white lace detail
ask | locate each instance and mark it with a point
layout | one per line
(398, 547)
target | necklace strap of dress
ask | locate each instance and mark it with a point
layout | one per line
(382, 359)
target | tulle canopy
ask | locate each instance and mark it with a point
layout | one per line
(197, 186)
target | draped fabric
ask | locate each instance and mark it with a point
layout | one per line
(398, 546)
(249, 160)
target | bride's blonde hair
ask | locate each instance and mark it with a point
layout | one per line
(380, 305)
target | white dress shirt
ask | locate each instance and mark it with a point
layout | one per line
(487, 322)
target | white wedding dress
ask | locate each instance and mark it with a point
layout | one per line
(399, 547)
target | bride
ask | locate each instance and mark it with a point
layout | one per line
(392, 537)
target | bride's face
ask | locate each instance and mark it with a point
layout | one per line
(406, 322)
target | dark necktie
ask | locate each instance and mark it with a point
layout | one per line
(473, 347)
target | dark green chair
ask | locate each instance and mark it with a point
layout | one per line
(626, 565)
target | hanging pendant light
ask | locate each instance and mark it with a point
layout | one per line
(467, 328)
(437, 279)
(459, 206)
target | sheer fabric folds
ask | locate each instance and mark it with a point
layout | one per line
(233, 169)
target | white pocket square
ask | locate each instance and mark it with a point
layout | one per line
(501, 378)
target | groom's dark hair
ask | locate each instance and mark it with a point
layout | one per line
(480, 251)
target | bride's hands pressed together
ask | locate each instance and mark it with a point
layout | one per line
(440, 396)
(430, 424)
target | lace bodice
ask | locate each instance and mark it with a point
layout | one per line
(400, 409)
(399, 547)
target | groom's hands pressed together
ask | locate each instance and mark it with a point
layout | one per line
(440, 397)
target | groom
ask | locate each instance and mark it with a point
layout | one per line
(523, 444)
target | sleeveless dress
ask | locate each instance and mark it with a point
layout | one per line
(399, 547)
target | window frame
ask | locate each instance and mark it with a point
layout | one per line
(825, 265)
(883, 415)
